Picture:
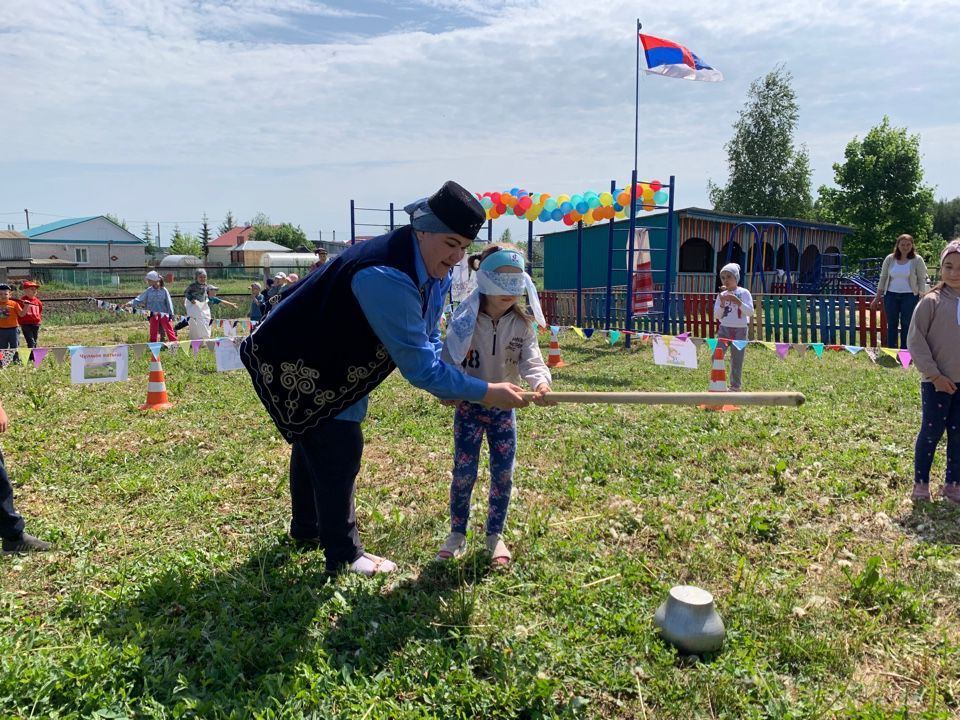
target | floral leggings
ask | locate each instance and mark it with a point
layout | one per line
(470, 423)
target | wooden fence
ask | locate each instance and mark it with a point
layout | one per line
(829, 319)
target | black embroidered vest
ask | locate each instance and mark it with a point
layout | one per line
(315, 354)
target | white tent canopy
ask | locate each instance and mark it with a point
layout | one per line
(179, 261)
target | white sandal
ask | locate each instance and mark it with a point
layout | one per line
(453, 547)
(371, 565)
(499, 553)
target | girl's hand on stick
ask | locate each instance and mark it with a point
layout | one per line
(542, 395)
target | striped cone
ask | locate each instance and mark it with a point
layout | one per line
(156, 389)
(553, 358)
(718, 380)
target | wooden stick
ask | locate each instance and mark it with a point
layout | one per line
(793, 399)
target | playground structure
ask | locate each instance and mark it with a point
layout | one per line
(794, 268)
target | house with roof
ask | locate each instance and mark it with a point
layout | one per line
(14, 256)
(95, 242)
(219, 250)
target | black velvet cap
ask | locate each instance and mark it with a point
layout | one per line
(452, 208)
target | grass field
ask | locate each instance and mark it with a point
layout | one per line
(175, 594)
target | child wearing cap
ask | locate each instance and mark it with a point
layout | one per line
(256, 303)
(933, 340)
(10, 311)
(491, 338)
(156, 299)
(733, 308)
(198, 309)
(32, 313)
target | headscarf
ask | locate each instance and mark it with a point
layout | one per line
(489, 282)
(952, 247)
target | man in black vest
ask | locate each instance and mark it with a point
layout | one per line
(381, 300)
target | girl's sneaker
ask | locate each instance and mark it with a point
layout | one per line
(951, 492)
(453, 547)
(921, 491)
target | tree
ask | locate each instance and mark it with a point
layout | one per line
(946, 218)
(767, 175)
(259, 220)
(506, 237)
(227, 224)
(117, 221)
(285, 234)
(205, 238)
(151, 249)
(184, 244)
(880, 193)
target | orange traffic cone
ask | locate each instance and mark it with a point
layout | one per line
(156, 389)
(718, 380)
(553, 357)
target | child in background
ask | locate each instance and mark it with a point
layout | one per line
(933, 341)
(213, 300)
(197, 307)
(156, 298)
(733, 308)
(10, 311)
(32, 316)
(15, 540)
(256, 304)
(494, 340)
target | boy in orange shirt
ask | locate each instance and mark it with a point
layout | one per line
(10, 312)
(32, 314)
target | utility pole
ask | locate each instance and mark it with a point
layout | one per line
(27, 213)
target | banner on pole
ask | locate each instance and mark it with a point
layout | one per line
(642, 273)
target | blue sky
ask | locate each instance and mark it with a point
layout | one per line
(161, 110)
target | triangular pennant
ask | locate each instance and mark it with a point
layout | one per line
(73, 349)
(24, 354)
(853, 349)
(172, 346)
(38, 355)
(800, 348)
(768, 345)
(210, 345)
(782, 350)
(712, 344)
(138, 349)
(904, 357)
(889, 351)
(683, 336)
(588, 333)
(614, 336)
(698, 341)
(579, 332)
(818, 349)
(872, 354)
(155, 349)
(554, 329)
(740, 344)
(195, 345)
(59, 354)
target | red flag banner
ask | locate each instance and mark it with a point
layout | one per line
(642, 273)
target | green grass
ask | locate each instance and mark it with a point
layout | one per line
(174, 593)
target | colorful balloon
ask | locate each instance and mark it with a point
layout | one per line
(660, 197)
(606, 199)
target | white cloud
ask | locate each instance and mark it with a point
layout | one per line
(204, 114)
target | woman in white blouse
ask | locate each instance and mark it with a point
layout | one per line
(903, 278)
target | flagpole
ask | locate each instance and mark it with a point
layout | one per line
(636, 105)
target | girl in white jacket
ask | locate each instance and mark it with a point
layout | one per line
(493, 339)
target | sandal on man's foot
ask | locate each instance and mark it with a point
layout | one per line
(371, 565)
(499, 553)
(453, 547)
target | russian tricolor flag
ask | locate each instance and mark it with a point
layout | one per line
(664, 57)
